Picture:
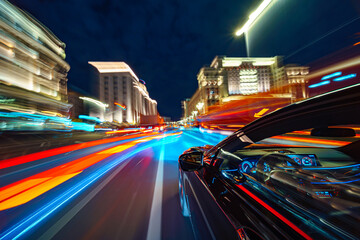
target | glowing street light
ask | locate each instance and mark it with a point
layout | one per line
(253, 16)
(100, 104)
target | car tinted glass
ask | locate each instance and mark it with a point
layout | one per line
(312, 177)
(306, 137)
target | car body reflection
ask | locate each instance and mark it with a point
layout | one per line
(265, 182)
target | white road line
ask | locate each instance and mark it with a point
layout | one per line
(154, 229)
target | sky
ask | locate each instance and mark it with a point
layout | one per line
(166, 42)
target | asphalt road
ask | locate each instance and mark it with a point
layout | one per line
(126, 189)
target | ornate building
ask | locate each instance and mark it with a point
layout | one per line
(232, 78)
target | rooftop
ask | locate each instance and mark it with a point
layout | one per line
(113, 67)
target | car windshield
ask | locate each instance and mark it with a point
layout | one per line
(313, 173)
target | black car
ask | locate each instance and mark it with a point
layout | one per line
(292, 174)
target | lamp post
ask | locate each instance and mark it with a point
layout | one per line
(249, 23)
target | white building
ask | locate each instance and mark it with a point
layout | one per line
(124, 92)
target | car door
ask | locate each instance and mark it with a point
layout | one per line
(247, 203)
(207, 218)
(236, 210)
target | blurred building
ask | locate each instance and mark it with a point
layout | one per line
(125, 93)
(77, 107)
(33, 70)
(85, 105)
(233, 78)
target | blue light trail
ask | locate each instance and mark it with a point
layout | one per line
(331, 75)
(344, 77)
(319, 84)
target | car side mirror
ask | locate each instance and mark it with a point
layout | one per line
(191, 161)
(234, 175)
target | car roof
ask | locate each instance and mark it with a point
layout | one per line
(338, 107)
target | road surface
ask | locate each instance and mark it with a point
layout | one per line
(119, 188)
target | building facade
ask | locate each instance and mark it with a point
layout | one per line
(33, 70)
(124, 92)
(232, 78)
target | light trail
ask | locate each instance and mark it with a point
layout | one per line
(25, 190)
(199, 139)
(56, 151)
(28, 223)
(273, 211)
(313, 140)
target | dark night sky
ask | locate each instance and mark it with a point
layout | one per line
(166, 42)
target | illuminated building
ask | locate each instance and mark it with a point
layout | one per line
(124, 92)
(33, 70)
(296, 78)
(233, 78)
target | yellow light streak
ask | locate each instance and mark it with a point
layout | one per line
(253, 17)
(33, 192)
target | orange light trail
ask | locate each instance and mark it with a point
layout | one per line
(25, 190)
(121, 106)
(123, 131)
(312, 140)
(52, 152)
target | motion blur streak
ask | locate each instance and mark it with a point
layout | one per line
(312, 140)
(122, 131)
(20, 229)
(52, 152)
(273, 211)
(27, 189)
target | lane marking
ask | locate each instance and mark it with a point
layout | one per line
(154, 229)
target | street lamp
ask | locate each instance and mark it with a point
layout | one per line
(252, 17)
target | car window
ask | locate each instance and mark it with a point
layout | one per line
(314, 173)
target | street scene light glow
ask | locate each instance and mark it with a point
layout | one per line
(101, 104)
(89, 154)
(253, 17)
